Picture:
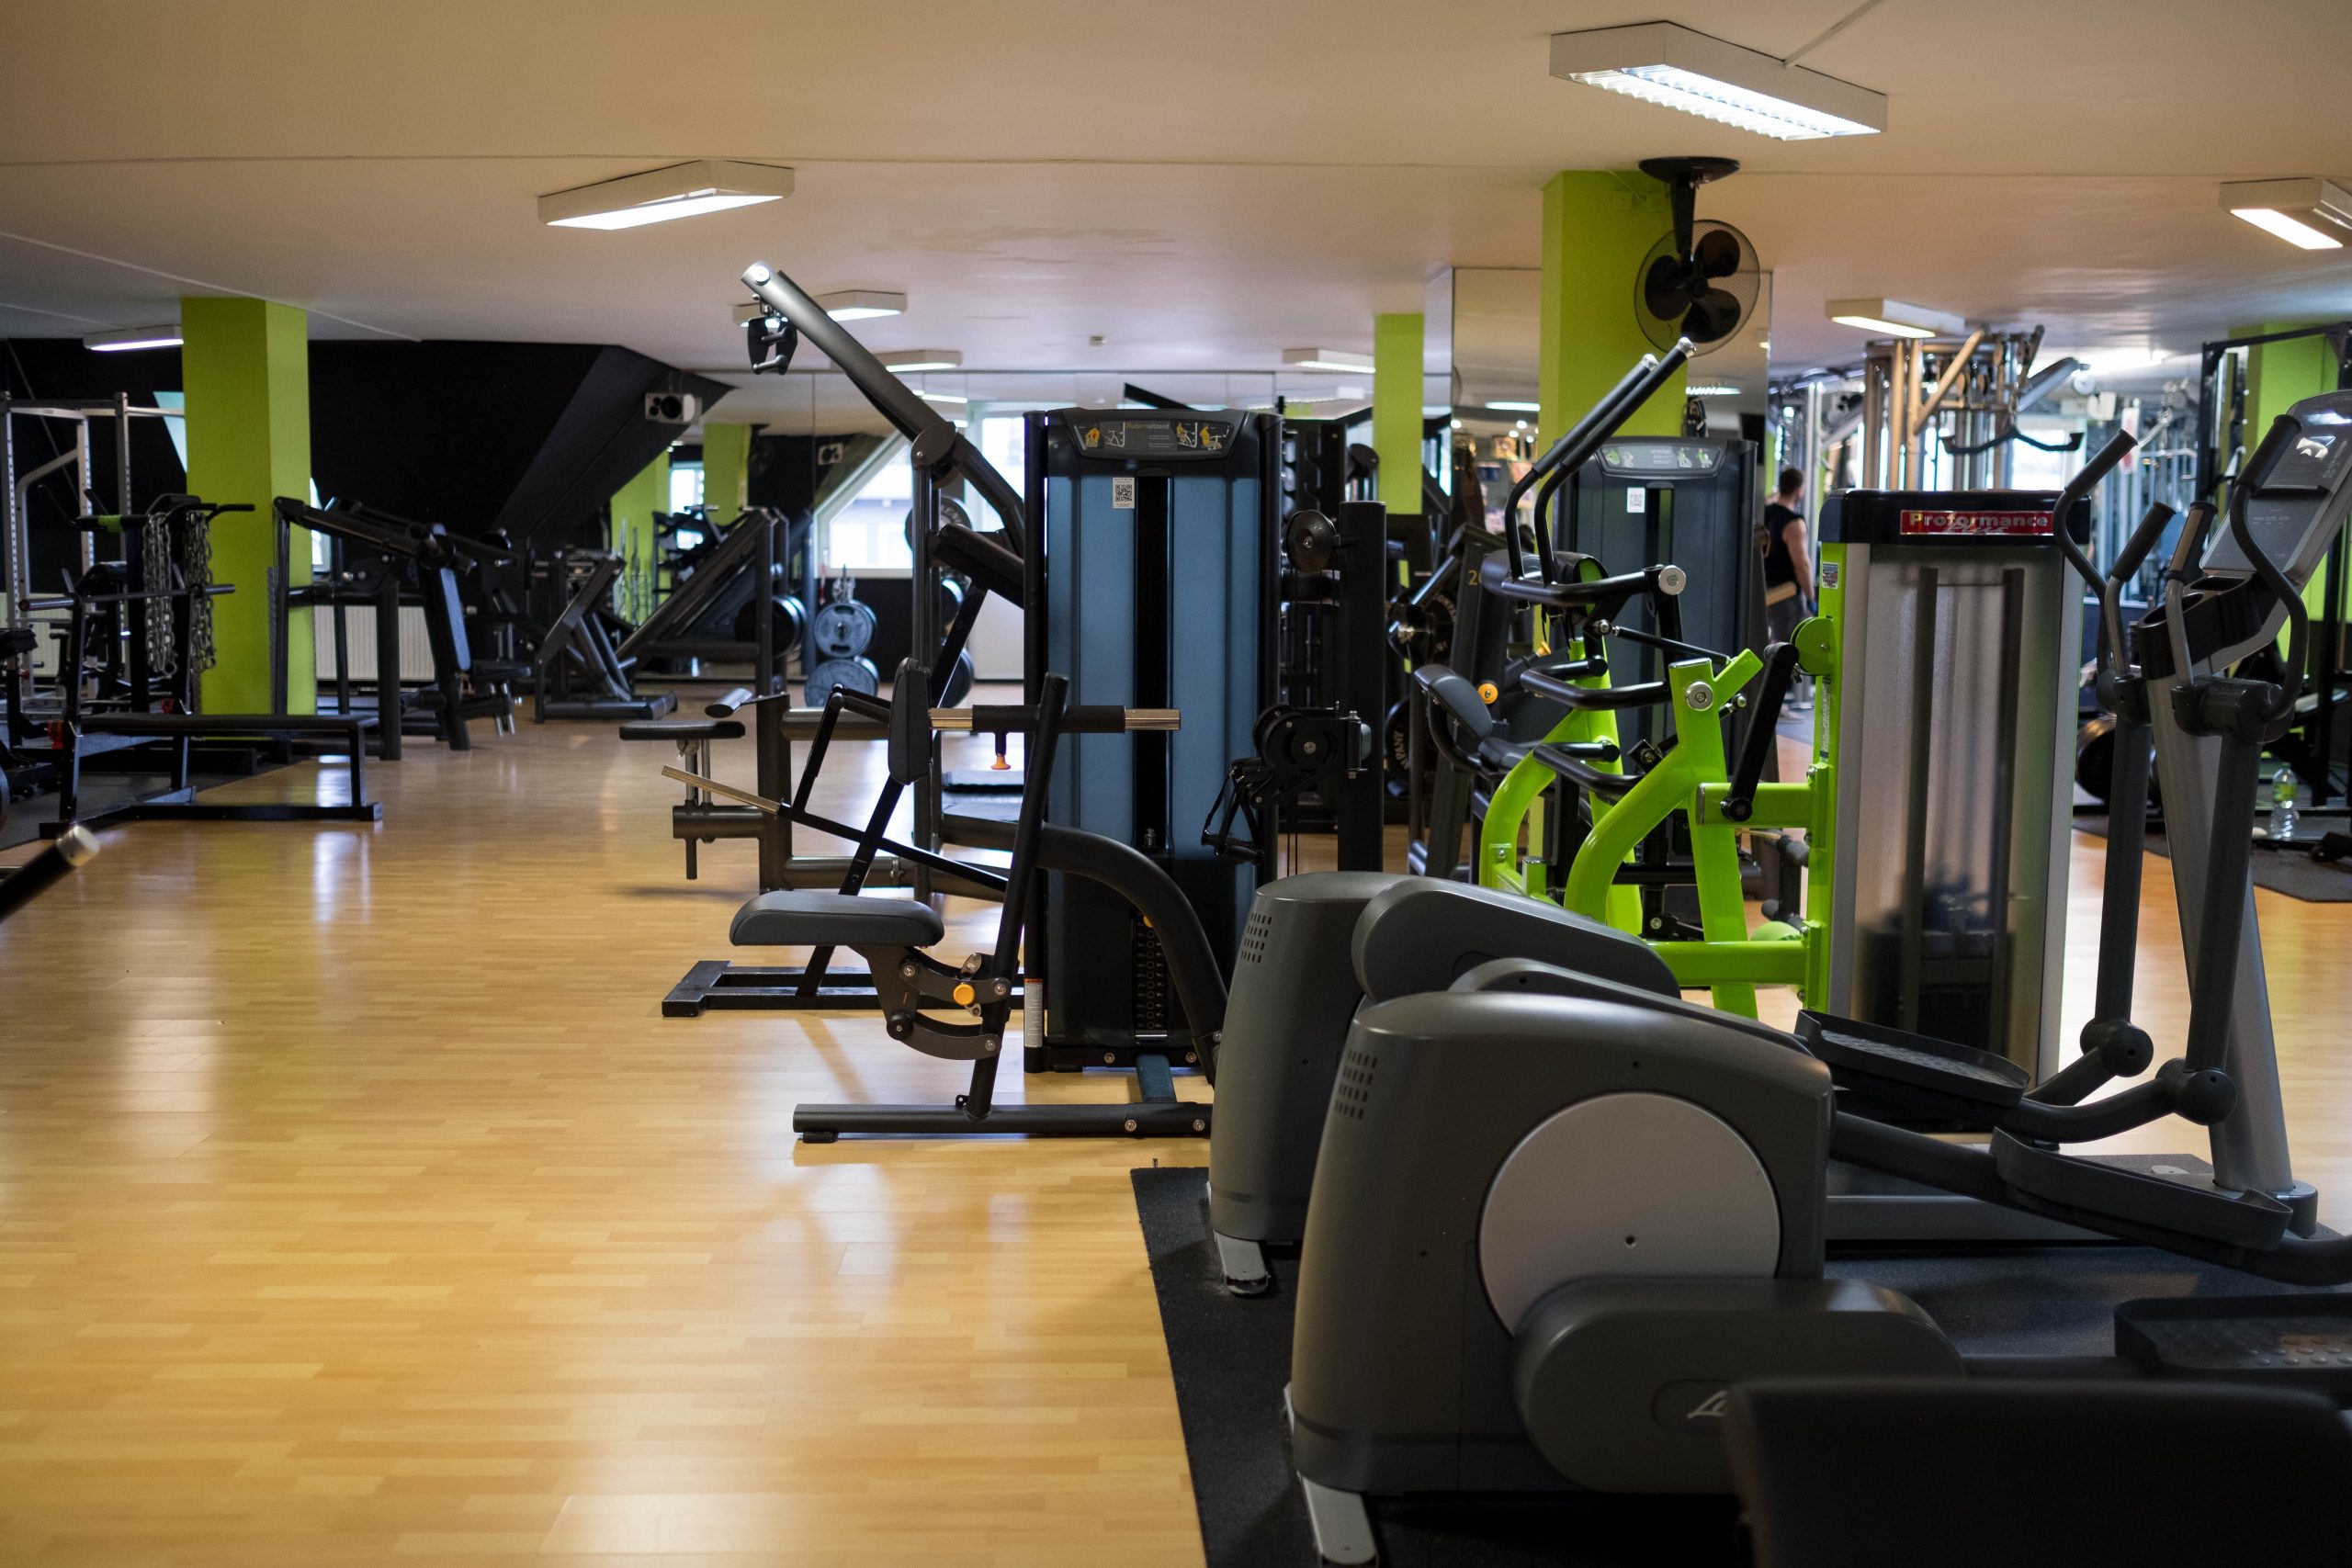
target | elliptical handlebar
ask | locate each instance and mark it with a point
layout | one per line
(2085, 481)
(2127, 566)
(2276, 444)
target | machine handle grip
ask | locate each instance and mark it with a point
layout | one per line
(1092, 719)
(2111, 596)
(1542, 466)
(2276, 445)
(2085, 481)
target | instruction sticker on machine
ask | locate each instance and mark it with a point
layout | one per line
(1123, 494)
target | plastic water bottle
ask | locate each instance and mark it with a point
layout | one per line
(2282, 806)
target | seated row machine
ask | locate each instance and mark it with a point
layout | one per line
(893, 935)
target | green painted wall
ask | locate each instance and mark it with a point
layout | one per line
(2278, 375)
(246, 365)
(632, 508)
(726, 468)
(1397, 408)
(1598, 225)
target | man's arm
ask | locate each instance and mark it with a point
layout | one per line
(1801, 558)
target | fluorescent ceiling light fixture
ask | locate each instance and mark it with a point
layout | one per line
(1895, 318)
(1328, 359)
(1516, 408)
(861, 304)
(941, 396)
(2312, 214)
(908, 361)
(1669, 65)
(1712, 390)
(846, 305)
(2115, 361)
(657, 196)
(121, 338)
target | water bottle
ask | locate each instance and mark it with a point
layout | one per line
(2282, 806)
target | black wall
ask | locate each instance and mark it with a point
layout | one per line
(530, 438)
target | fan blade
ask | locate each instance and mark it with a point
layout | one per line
(1718, 253)
(1715, 315)
(1666, 288)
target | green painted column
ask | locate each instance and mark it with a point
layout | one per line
(1397, 408)
(726, 468)
(632, 508)
(247, 366)
(1598, 225)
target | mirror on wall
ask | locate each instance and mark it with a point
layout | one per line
(1497, 318)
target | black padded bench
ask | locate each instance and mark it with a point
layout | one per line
(177, 803)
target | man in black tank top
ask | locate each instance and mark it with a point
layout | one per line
(1788, 559)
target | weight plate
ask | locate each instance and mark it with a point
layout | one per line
(960, 683)
(843, 629)
(786, 610)
(857, 674)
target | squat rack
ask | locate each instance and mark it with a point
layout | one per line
(15, 493)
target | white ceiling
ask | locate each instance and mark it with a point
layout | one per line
(1201, 185)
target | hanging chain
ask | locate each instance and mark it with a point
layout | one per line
(155, 581)
(196, 544)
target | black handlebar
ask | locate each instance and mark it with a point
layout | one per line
(2085, 481)
(1575, 446)
(2127, 565)
(2276, 445)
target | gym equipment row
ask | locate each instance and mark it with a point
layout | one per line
(1551, 1200)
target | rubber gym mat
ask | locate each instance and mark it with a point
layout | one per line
(2290, 872)
(1230, 1358)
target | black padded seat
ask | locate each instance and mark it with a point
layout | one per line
(807, 918)
(682, 729)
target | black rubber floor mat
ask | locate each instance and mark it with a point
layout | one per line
(1230, 1357)
(2287, 871)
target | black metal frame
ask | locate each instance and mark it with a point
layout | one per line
(177, 723)
(428, 556)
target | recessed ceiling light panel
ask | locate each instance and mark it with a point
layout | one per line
(1671, 65)
(119, 339)
(909, 361)
(1328, 359)
(861, 304)
(2311, 214)
(1895, 317)
(658, 195)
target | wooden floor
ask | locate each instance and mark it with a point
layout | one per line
(356, 1205)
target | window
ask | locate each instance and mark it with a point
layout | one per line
(869, 535)
(1003, 441)
(685, 486)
